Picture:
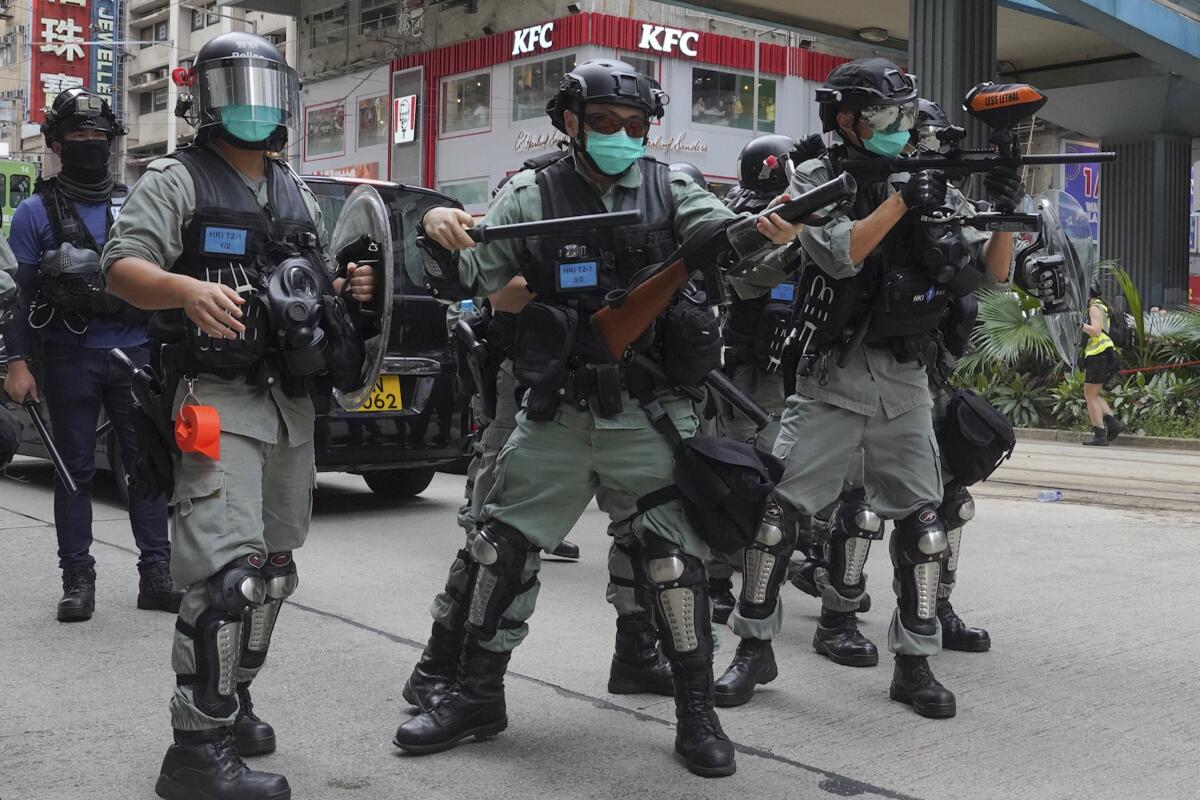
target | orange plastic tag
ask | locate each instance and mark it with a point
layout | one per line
(198, 430)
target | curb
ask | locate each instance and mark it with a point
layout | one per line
(1126, 440)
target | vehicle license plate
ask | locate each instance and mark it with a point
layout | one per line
(385, 396)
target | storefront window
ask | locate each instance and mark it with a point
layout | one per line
(723, 98)
(325, 131)
(466, 103)
(160, 100)
(372, 121)
(534, 83)
(473, 194)
(646, 66)
(328, 26)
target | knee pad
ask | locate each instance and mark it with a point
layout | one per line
(958, 507)
(919, 548)
(280, 580)
(497, 553)
(233, 592)
(764, 564)
(681, 599)
(852, 528)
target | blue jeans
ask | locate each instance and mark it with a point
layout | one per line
(76, 383)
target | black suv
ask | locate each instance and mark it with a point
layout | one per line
(415, 423)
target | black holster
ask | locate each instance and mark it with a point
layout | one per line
(546, 335)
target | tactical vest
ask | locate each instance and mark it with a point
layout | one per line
(230, 228)
(894, 294)
(67, 290)
(579, 268)
(231, 239)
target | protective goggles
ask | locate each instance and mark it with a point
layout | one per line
(605, 122)
(890, 118)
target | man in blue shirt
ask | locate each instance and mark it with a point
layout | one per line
(56, 237)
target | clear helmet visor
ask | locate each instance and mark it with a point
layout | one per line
(250, 95)
(889, 118)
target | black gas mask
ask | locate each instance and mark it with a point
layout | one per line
(945, 257)
(293, 300)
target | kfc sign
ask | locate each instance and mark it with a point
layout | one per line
(530, 40)
(666, 40)
(404, 119)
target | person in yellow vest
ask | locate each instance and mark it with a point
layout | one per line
(1099, 364)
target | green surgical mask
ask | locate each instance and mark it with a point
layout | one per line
(251, 123)
(614, 153)
(888, 145)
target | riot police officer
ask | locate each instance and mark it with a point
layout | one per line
(218, 237)
(10, 425)
(869, 306)
(69, 324)
(958, 506)
(581, 426)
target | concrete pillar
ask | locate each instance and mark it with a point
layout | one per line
(1144, 204)
(951, 48)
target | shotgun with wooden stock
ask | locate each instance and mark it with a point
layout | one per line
(716, 247)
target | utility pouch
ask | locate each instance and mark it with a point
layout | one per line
(771, 336)
(608, 389)
(345, 353)
(975, 438)
(691, 344)
(545, 341)
(724, 486)
(223, 355)
(153, 473)
(909, 303)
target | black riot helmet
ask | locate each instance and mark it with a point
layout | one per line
(765, 163)
(692, 171)
(241, 89)
(868, 83)
(930, 114)
(605, 81)
(78, 109)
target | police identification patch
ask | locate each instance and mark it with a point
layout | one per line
(580, 275)
(785, 292)
(224, 241)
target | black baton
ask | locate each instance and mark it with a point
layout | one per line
(34, 409)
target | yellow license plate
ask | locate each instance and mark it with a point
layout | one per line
(385, 396)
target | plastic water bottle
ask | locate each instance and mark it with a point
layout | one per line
(1050, 495)
(467, 309)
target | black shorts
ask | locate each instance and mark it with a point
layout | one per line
(1100, 367)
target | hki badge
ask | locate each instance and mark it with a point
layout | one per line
(224, 241)
(785, 292)
(578, 275)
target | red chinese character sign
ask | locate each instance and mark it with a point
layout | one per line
(60, 57)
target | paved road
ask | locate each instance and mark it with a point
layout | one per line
(1089, 691)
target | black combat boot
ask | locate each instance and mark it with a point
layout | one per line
(723, 601)
(567, 551)
(638, 667)
(913, 683)
(956, 635)
(753, 665)
(837, 638)
(1113, 426)
(438, 668)
(79, 595)
(156, 590)
(698, 735)
(203, 765)
(1099, 438)
(251, 735)
(473, 706)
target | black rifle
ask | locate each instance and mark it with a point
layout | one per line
(34, 409)
(520, 230)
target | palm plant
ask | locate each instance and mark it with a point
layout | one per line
(1011, 333)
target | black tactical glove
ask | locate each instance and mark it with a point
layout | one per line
(926, 189)
(1043, 277)
(1004, 188)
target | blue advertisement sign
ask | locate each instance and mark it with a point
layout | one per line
(1082, 181)
(103, 57)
